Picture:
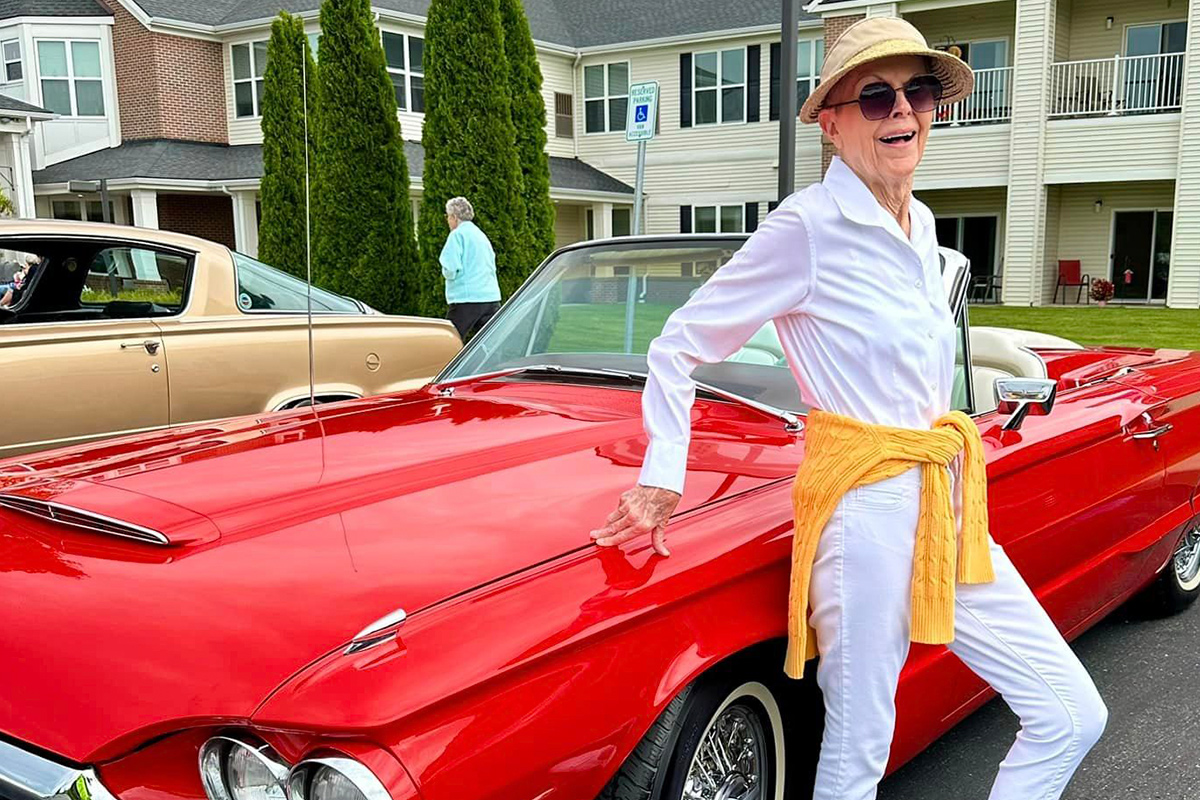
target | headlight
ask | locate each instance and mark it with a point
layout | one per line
(334, 778)
(236, 769)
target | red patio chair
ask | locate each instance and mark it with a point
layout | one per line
(1068, 276)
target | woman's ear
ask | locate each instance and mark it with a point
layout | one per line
(827, 119)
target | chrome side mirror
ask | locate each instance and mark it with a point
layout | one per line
(1022, 396)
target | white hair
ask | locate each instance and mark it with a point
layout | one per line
(460, 207)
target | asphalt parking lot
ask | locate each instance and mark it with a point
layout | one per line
(1145, 669)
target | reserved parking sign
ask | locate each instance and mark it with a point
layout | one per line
(643, 109)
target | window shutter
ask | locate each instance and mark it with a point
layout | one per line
(773, 89)
(685, 90)
(753, 90)
(564, 115)
(685, 219)
(772, 205)
(751, 217)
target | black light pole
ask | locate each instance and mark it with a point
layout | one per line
(787, 98)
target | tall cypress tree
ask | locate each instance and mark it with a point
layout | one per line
(529, 119)
(363, 233)
(470, 142)
(281, 235)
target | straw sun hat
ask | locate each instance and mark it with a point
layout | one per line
(874, 38)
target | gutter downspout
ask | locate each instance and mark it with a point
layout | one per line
(575, 93)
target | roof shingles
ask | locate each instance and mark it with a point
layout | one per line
(166, 159)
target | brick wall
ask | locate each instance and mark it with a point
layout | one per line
(833, 29)
(168, 87)
(208, 216)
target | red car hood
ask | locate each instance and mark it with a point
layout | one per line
(292, 533)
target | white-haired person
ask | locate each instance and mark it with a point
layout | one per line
(891, 542)
(469, 267)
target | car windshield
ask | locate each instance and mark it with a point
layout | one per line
(599, 306)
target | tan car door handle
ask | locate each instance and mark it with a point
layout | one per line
(150, 346)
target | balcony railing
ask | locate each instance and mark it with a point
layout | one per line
(1117, 85)
(990, 102)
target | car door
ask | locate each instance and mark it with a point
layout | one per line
(81, 362)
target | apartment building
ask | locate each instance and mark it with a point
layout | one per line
(1074, 147)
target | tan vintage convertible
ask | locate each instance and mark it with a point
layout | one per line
(117, 329)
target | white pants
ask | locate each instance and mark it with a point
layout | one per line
(860, 600)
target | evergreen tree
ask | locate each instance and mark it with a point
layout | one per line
(281, 235)
(470, 142)
(363, 242)
(529, 119)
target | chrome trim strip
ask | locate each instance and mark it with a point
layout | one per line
(357, 773)
(84, 520)
(31, 777)
(377, 632)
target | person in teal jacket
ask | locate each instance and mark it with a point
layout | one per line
(469, 267)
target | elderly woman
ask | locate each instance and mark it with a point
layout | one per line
(892, 478)
(469, 267)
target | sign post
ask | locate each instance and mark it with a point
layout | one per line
(641, 120)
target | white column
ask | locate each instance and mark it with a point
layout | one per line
(22, 177)
(1183, 282)
(602, 219)
(1025, 228)
(245, 223)
(145, 207)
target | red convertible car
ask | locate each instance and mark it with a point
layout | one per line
(397, 597)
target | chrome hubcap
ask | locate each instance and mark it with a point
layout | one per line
(730, 763)
(1187, 557)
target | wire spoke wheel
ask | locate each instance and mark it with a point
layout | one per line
(1187, 558)
(730, 763)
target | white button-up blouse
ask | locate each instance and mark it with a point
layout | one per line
(859, 307)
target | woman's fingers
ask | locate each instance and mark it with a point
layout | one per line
(659, 540)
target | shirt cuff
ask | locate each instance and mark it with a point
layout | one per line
(665, 465)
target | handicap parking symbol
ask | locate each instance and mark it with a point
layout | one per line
(641, 113)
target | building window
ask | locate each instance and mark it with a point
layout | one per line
(70, 77)
(605, 97)
(12, 60)
(719, 86)
(90, 210)
(314, 43)
(564, 115)
(249, 67)
(406, 65)
(718, 219)
(809, 55)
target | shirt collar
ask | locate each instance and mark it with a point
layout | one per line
(856, 202)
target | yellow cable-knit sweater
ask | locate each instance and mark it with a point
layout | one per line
(841, 453)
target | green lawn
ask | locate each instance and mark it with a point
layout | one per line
(1119, 325)
(601, 328)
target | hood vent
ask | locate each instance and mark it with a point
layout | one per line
(84, 520)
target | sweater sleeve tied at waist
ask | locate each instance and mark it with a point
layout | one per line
(841, 453)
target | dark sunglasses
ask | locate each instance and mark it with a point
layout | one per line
(876, 100)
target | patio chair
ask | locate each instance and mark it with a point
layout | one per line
(1068, 277)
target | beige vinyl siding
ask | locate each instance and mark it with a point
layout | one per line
(1062, 30)
(570, 224)
(702, 164)
(1089, 38)
(1053, 233)
(1148, 144)
(1183, 290)
(557, 76)
(970, 155)
(967, 23)
(1026, 200)
(1086, 235)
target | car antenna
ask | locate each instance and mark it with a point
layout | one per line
(312, 391)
